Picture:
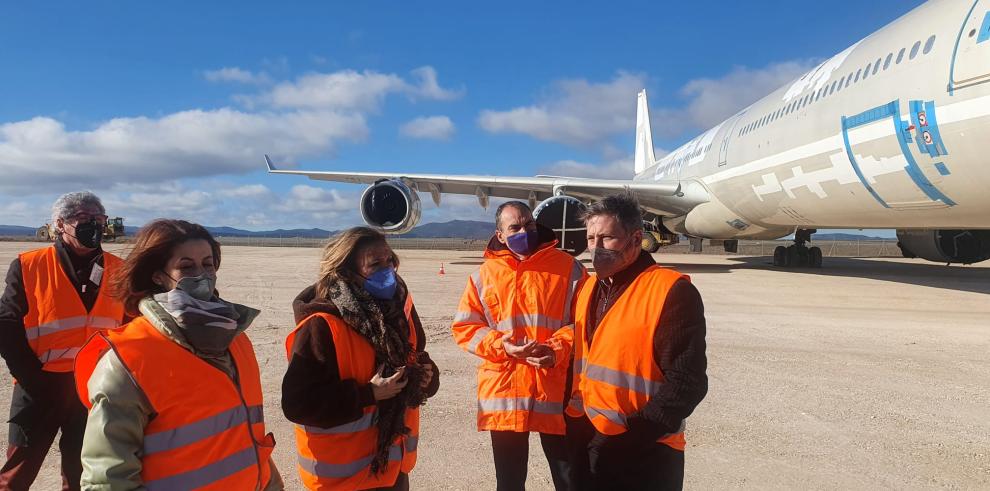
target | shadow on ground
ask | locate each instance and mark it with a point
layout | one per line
(955, 277)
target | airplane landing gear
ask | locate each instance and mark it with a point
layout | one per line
(798, 254)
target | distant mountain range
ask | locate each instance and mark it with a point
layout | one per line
(454, 229)
(459, 229)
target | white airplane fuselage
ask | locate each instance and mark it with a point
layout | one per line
(894, 132)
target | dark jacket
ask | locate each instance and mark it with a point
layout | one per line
(313, 393)
(21, 360)
(678, 349)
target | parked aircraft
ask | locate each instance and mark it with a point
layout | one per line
(891, 133)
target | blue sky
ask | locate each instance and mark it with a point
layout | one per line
(166, 111)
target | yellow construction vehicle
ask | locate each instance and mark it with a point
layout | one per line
(114, 228)
(46, 232)
(655, 237)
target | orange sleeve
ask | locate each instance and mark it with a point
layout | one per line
(472, 327)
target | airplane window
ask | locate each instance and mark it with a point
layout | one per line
(866, 73)
(840, 82)
(900, 56)
(831, 90)
(857, 75)
(914, 50)
(929, 44)
(886, 63)
(876, 66)
(849, 79)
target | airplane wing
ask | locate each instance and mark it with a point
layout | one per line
(664, 198)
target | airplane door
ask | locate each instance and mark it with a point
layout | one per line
(971, 57)
(723, 149)
(876, 143)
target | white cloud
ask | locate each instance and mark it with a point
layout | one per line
(616, 169)
(709, 101)
(238, 75)
(252, 191)
(430, 128)
(575, 112)
(193, 143)
(350, 89)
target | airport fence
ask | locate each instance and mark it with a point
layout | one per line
(830, 248)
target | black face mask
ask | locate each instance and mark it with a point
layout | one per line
(89, 234)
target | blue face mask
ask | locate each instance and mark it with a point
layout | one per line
(381, 284)
(522, 243)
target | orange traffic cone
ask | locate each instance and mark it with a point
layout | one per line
(442, 272)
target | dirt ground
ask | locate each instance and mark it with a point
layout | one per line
(870, 373)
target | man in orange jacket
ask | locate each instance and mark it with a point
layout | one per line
(53, 302)
(516, 314)
(639, 359)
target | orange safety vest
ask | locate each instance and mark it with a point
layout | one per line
(529, 299)
(619, 375)
(207, 432)
(57, 323)
(340, 457)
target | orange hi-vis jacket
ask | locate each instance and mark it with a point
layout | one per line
(617, 377)
(57, 323)
(532, 300)
(208, 432)
(339, 458)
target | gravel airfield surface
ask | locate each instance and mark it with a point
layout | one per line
(869, 373)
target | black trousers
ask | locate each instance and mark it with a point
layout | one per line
(511, 450)
(34, 424)
(600, 462)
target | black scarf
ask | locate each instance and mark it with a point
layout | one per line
(383, 323)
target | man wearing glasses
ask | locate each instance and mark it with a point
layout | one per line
(54, 300)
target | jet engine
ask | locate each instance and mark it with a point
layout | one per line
(562, 214)
(945, 246)
(391, 206)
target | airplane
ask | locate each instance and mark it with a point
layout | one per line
(891, 133)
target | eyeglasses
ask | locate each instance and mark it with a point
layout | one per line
(83, 217)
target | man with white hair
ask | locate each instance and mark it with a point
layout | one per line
(53, 302)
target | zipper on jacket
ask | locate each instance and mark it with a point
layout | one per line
(247, 422)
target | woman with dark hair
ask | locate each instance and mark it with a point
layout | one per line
(358, 371)
(174, 397)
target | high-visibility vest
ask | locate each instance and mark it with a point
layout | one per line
(532, 300)
(207, 432)
(339, 458)
(619, 375)
(57, 323)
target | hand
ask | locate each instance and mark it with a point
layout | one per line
(517, 351)
(542, 356)
(387, 388)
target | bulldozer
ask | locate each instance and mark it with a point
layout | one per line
(113, 229)
(655, 237)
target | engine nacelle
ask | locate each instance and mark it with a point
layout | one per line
(945, 246)
(562, 214)
(391, 206)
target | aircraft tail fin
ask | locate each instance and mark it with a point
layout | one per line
(644, 135)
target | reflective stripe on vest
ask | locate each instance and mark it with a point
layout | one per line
(57, 324)
(511, 299)
(619, 376)
(204, 428)
(207, 430)
(340, 457)
(345, 470)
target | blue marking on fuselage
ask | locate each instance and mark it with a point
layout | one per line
(912, 168)
(890, 110)
(955, 49)
(855, 165)
(942, 169)
(984, 29)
